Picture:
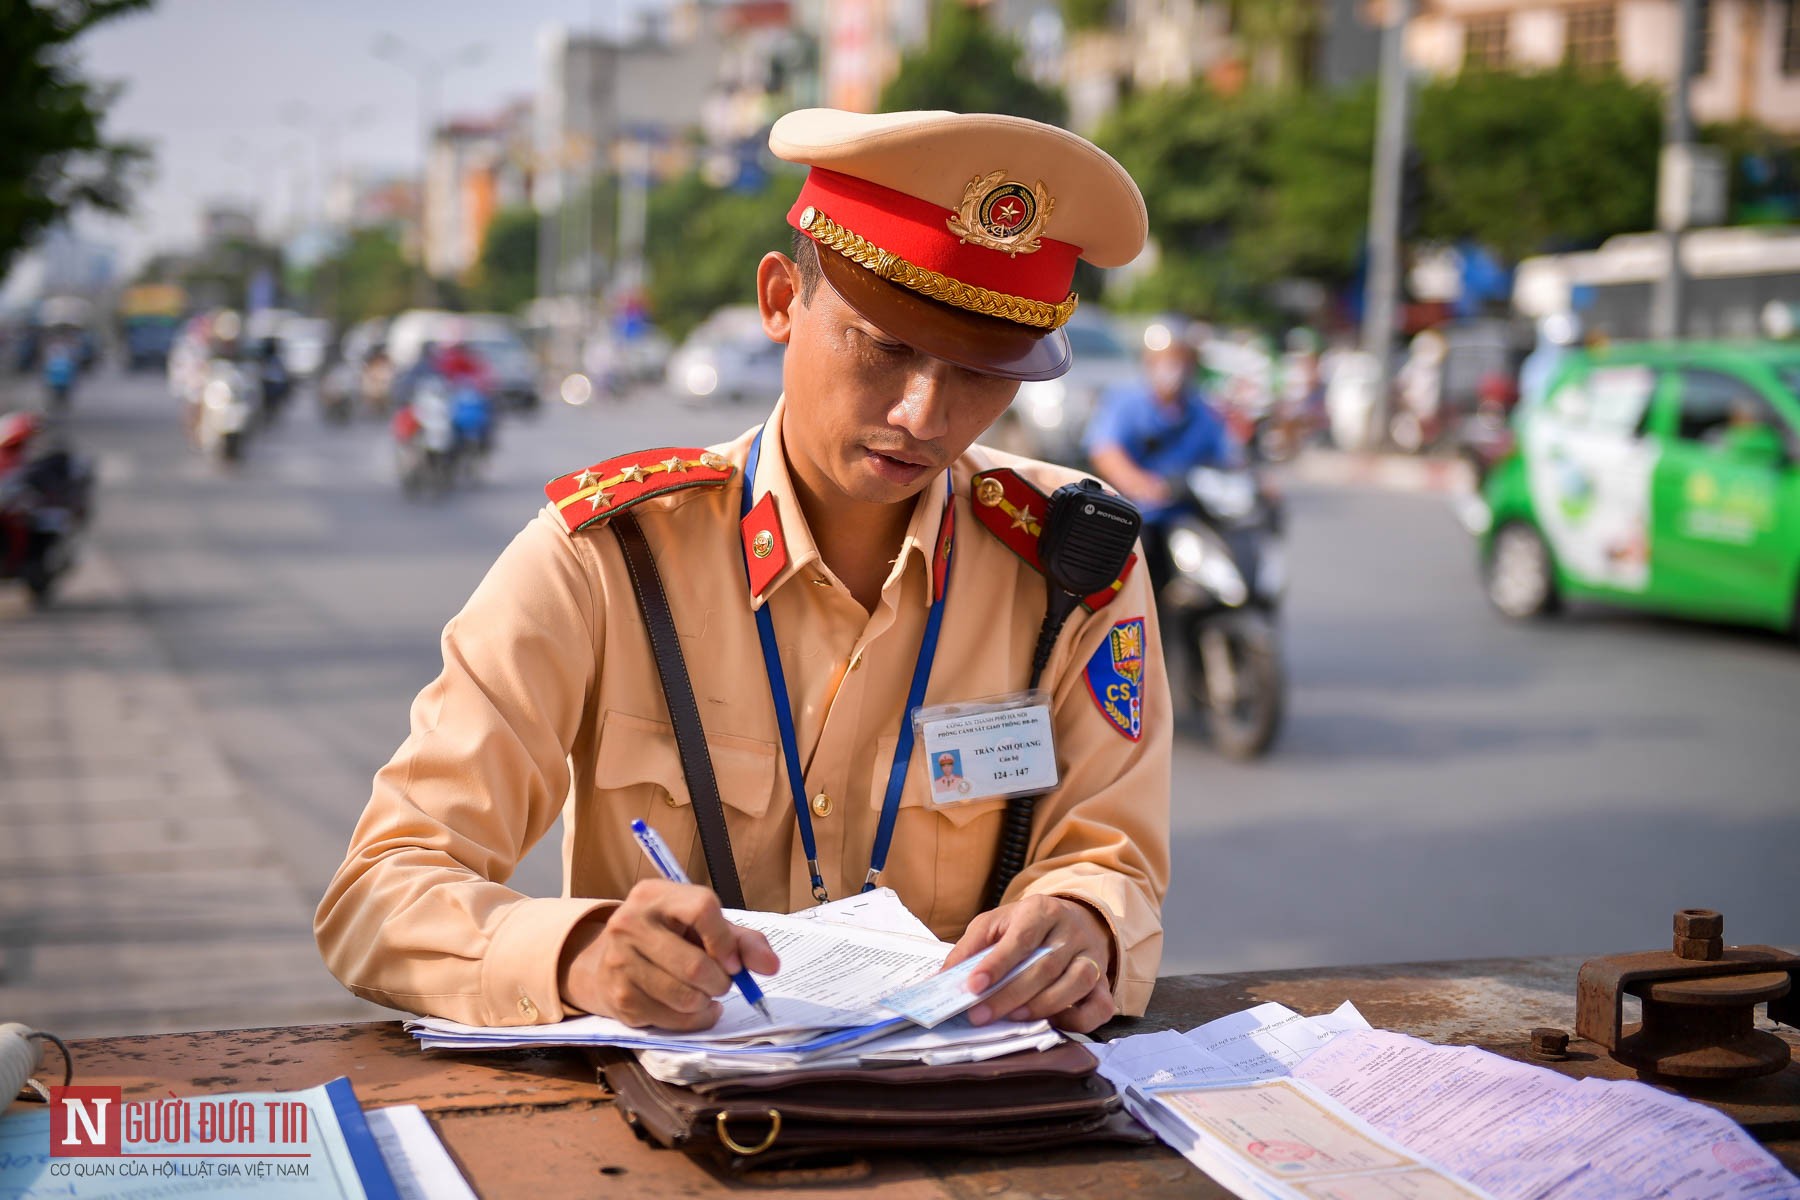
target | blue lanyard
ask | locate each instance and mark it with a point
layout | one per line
(784, 713)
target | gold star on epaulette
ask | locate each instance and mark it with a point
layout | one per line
(1021, 518)
(674, 464)
(585, 479)
(632, 474)
(600, 500)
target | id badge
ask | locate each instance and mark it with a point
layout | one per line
(987, 749)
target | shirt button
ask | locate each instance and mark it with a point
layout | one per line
(527, 1009)
(670, 800)
(821, 805)
(856, 661)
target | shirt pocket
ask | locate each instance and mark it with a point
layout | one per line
(637, 774)
(940, 858)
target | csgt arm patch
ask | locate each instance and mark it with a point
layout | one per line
(1115, 677)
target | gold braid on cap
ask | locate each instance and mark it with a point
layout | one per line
(930, 284)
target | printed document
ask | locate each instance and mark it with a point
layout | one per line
(1280, 1138)
(1491, 1125)
(861, 981)
(1525, 1131)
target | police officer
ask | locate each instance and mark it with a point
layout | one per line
(883, 554)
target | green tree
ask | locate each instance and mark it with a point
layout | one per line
(1081, 15)
(505, 276)
(54, 156)
(1525, 163)
(966, 66)
(704, 244)
(1199, 160)
(1247, 190)
(369, 276)
(1313, 216)
(1277, 34)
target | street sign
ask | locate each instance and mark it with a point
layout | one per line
(1692, 185)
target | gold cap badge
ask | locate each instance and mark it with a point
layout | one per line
(1004, 216)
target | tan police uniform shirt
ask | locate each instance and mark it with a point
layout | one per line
(549, 702)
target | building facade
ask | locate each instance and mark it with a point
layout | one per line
(1747, 59)
(475, 167)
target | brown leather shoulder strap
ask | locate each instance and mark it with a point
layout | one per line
(684, 713)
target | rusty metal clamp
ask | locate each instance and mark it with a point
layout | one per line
(749, 1151)
(1698, 1002)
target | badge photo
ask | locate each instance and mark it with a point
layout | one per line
(987, 749)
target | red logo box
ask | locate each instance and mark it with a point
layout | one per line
(85, 1121)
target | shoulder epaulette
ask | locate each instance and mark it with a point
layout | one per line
(1012, 509)
(597, 492)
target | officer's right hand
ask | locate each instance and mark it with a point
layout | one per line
(660, 958)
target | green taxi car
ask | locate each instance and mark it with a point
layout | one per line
(1662, 476)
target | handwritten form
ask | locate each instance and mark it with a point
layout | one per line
(1527, 1132)
(1280, 1138)
(1512, 1130)
(850, 965)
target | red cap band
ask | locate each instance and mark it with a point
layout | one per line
(916, 231)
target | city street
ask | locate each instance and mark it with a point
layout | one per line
(187, 737)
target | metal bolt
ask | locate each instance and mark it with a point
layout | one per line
(1699, 923)
(1700, 949)
(1549, 1042)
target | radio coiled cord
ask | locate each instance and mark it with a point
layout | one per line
(1015, 833)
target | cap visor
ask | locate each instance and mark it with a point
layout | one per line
(990, 345)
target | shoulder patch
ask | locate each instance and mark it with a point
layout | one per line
(1012, 509)
(1115, 678)
(599, 491)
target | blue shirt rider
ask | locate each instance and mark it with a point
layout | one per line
(1146, 434)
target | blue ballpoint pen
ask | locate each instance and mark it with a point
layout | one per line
(658, 853)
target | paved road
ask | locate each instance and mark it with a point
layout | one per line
(237, 658)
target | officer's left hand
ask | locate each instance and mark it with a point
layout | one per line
(1068, 985)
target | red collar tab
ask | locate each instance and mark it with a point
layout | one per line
(1013, 511)
(919, 232)
(765, 551)
(599, 491)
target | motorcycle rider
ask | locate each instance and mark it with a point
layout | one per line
(1147, 433)
(60, 369)
(222, 334)
(18, 431)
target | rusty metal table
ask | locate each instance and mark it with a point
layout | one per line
(534, 1124)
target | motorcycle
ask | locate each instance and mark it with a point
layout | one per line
(336, 392)
(60, 370)
(44, 508)
(1225, 574)
(440, 435)
(276, 384)
(227, 408)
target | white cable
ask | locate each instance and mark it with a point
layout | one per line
(19, 1058)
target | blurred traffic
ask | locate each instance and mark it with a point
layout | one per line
(1466, 350)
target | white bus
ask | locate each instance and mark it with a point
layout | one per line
(1735, 276)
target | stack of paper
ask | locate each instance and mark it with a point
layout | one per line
(1274, 1104)
(861, 980)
